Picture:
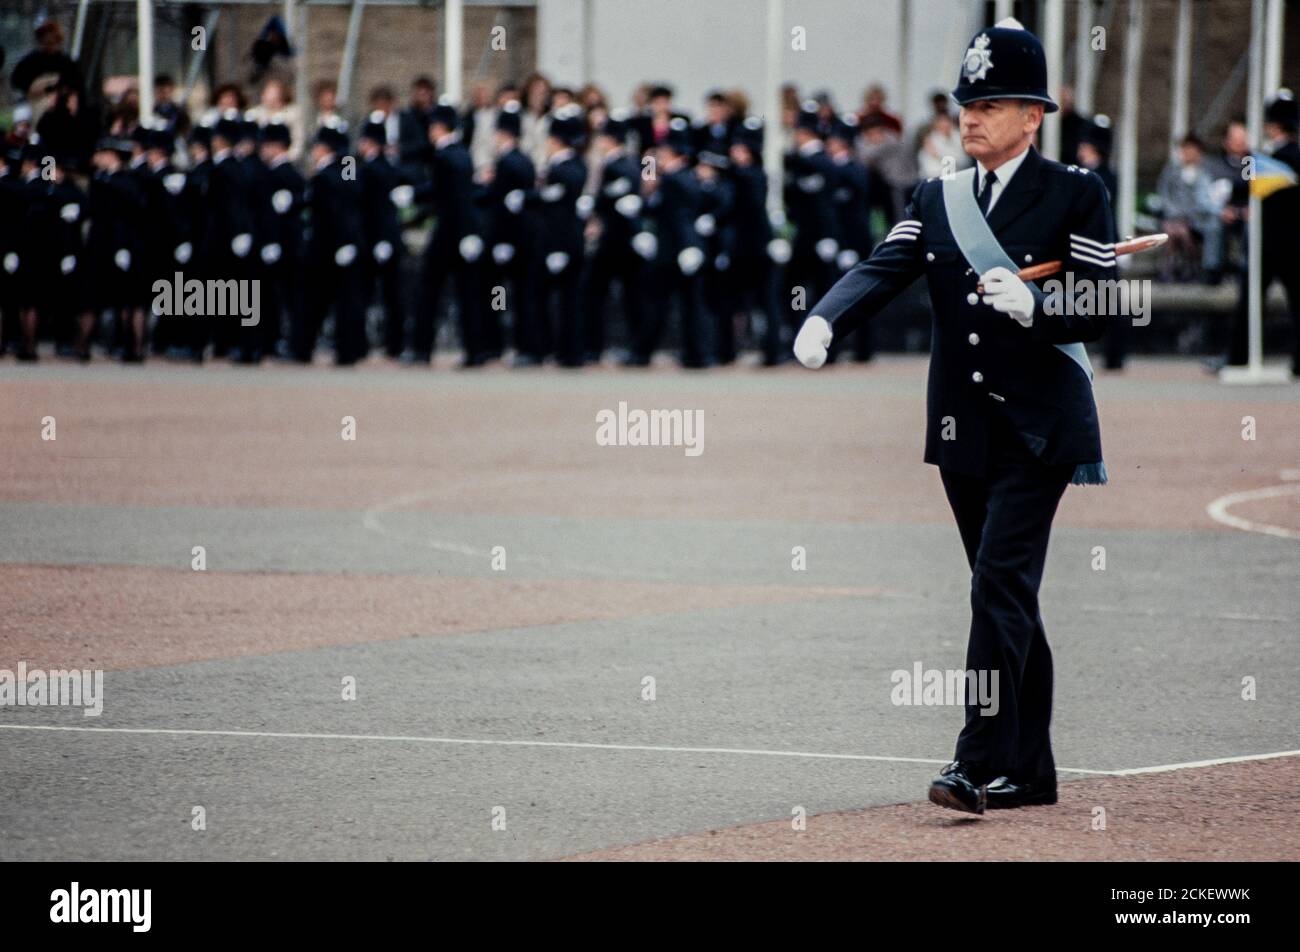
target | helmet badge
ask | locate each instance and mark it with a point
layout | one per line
(977, 62)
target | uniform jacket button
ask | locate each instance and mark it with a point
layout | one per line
(972, 299)
(1028, 258)
(974, 338)
(977, 377)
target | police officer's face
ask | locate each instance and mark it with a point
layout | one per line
(993, 130)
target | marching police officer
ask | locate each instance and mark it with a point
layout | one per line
(511, 235)
(456, 245)
(167, 244)
(851, 201)
(31, 259)
(753, 271)
(676, 254)
(809, 179)
(55, 225)
(193, 340)
(231, 225)
(334, 252)
(1011, 418)
(113, 244)
(383, 229)
(282, 289)
(561, 221)
(616, 218)
(714, 226)
(13, 208)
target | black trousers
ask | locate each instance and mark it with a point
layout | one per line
(1005, 518)
(613, 260)
(1274, 269)
(668, 285)
(442, 260)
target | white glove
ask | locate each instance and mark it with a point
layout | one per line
(628, 206)
(584, 206)
(502, 253)
(514, 201)
(778, 249)
(646, 244)
(556, 262)
(241, 244)
(183, 252)
(689, 260)
(827, 248)
(68, 263)
(282, 200)
(270, 253)
(402, 196)
(471, 246)
(382, 251)
(706, 225)
(345, 255)
(122, 259)
(11, 262)
(70, 212)
(846, 259)
(811, 342)
(174, 183)
(1005, 292)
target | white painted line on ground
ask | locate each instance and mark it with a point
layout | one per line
(1218, 510)
(1166, 768)
(576, 745)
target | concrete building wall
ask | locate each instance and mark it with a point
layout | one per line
(697, 45)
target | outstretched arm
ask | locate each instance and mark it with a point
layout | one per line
(893, 265)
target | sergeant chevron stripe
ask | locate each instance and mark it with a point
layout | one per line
(1092, 251)
(904, 231)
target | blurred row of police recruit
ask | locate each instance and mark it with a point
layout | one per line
(543, 223)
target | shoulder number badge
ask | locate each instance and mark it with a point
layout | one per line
(977, 62)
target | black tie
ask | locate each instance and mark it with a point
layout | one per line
(986, 193)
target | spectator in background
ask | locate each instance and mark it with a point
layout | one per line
(1230, 189)
(274, 104)
(68, 129)
(227, 97)
(21, 131)
(881, 149)
(536, 119)
(940, 105)
(167, 107)
(38, 74)
(413, 150)
(874, 113)
(1072, 123)
(1189, 213)
(941, 152)
(479, 124)
(273, 41)
(327, 105)
(382, 99)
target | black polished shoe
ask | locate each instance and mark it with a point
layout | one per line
(1003, 794)
(959, 786)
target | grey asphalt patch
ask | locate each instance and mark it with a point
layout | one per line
(793, 677)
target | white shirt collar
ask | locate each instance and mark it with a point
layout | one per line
(1005, 170)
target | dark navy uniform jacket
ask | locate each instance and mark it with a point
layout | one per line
(983, 361)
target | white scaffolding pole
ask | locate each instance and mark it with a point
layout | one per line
(1273, 47)
(350, 53)
(79, 30)
(1084, 57)
(453, 48)
(1054, 43)
(1179, 118)
(1254, 371)
(772, 102)
(144, 41)
(1128, 125)
(904, 59)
